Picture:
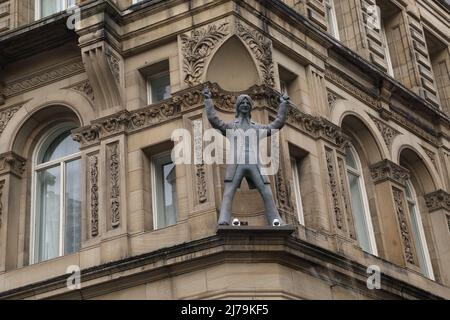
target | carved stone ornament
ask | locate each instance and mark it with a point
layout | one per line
(200, 171)
(352, 89)
(438, 200)
(404, 229)
(197, 47)
(12, 163)
(85, 88)
(93, 191)
(388, 170)
(2, 183)
(6, 115)
(114, 176)
(387, 132)
(261, 47)
(44, 77)
(334, 189)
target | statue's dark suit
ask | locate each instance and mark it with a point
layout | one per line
(252, 172)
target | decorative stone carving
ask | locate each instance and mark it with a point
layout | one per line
(261, 46)
(2, 183)
(197, 48)
(282, 191)
(432, 157)
(448, 222)
(334, 188)
(200, 171)
(6, 115)
(404, 229)
(12, 163)
(332, 98)
(86, 88)
(438, 200)
(93, 190)
(388, 133)
(351, 88)
(86, 135)
(413, 124)
(114, 176)
(114, 64)
(388, 170)
(42, 78)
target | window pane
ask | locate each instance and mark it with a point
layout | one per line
(167, 212)
(49, 7)
(160, 88)
(47, 214)
(72, 236)
(62, 146)
(358, 212)
(350, 159)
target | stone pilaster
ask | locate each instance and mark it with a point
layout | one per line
(396, 238)
(438, 204)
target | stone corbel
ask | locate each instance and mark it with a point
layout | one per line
(104, 67)
(438, 200)
(12, 163)
(388, 170)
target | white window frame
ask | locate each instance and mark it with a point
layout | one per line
(149, 85)
(153, 161)
(367, 217)
(64, 4)
(332, 19)
(390, 68)
(44, 142)
(297, 191)
(421, 236)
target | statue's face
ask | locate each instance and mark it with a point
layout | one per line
(245, 106)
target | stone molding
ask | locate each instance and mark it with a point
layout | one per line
(438, 200)
(12, 163)
(388, 170)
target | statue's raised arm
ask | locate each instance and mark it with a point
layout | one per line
(213, 118)
(280, 120)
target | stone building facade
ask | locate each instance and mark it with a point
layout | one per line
(89, 99)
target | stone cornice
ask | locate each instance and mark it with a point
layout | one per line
(191, 99)
(12, 163)
(438, 200)
(388, 170)
(43, 77)
(252, 244)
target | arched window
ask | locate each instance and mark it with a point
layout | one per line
(56, 195)
(418, 233)
(359, 202)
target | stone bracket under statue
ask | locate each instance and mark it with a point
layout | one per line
(252, 172)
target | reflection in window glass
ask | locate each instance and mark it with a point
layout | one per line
(165, 191)
(159, 88)
(57, 194)
(417, 229)
(359, 203)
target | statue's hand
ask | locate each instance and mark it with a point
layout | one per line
(285, 98)
(207, 93)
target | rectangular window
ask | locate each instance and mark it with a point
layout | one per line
(157, 79)
(390, 69)
(158, 87)
(332, 20)
(295, 163)
(164, 191)
(45, 8)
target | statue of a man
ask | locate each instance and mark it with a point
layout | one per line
(251, 171)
